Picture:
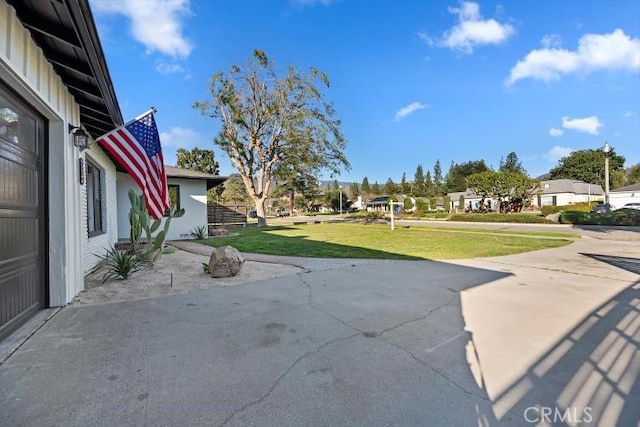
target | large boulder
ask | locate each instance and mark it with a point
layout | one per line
(225, 261)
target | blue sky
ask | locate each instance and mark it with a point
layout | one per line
(412, 81)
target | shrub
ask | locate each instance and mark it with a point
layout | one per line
(577, 207)
(408, 204)
(368, 216)
(522, 218)
(630, 217)
(118, 263)
(200, 232)
(421, 206)
(447, 203)
(433, 203)
(434, 215)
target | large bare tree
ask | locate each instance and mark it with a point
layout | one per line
(268, 121)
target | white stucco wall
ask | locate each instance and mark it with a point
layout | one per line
(24, 69)
(193, 198)
(563, 199)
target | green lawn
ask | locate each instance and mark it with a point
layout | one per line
(355, 240)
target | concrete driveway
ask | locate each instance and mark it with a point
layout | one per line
(551, 336)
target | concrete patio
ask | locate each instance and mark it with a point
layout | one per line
(471, 342)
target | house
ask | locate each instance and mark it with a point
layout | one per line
(377, 204)
(472, 201)
(57, 204)
(562, 192)
(621, 196)
(188, 190)
(555, 192)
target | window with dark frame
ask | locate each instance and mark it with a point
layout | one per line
(174, 195)
(94, 199)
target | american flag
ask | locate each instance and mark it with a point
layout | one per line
(136, 146)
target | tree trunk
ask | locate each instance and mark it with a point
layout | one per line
(262, 217)
(291, 199)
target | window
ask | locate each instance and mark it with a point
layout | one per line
(94, 199)
(174, 195)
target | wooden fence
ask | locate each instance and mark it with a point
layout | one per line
(226, 214)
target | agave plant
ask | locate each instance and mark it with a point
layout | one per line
(120, 264)
(200, 232)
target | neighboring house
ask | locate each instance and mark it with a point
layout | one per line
(57, 205)
(472, 201)
(359, 204)
(561, 192)
(377, 204)
(188, 190)
(555, 192)
(621, 196)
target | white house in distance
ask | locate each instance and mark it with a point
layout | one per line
(562, 192)
(621, 196)
(188, 190)
(471, 201)
(553, 192)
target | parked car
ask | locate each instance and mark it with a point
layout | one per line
(253, 214)
(634, 205)
(601, 208)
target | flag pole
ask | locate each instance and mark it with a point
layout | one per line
(150, 110)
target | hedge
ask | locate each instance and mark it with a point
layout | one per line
(522, 218)
(577, 207)
(619, 217)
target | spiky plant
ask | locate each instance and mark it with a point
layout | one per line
(120, 264)
(199, 232)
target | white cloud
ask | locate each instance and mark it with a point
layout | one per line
(472, 30)
(156, 24)
(557, 152)
(590, 124)
(555, 132)
(628, 114)
(166, 68)
(179, 137)
(405, 111)
(551, 41)
(615, 51)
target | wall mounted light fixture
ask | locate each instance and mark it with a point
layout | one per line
(80, 138)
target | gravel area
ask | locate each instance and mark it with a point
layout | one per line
(178, 272)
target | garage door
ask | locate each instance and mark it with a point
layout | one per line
(22, 232)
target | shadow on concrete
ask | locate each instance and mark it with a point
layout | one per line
(376, 344)
(591, 376)
(607, 228)
(625, 263)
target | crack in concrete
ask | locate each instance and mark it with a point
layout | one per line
(554, 270)
(369, 334)
(447, 379)
(418, 319)
(284, 374)
(326, 313)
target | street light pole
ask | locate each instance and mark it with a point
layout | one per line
(607, 151)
